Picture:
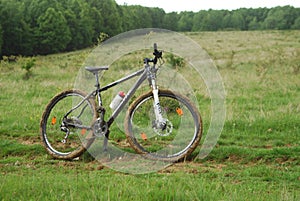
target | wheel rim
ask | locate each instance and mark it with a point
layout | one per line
(172, 145)
(52, 134)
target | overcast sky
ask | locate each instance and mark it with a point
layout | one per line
(196, 5)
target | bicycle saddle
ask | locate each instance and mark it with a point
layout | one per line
(96, 69)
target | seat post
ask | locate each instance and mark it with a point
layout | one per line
(97, 85)
(95, 70)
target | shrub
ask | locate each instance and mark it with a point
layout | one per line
(28, 64)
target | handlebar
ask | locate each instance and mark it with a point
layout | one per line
(157, 55)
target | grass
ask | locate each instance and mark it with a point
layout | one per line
(188, 181)
(256, 158)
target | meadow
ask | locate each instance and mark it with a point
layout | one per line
(257, 156)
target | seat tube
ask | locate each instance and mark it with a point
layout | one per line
(97, 85)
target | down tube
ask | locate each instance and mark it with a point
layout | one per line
(130, 93)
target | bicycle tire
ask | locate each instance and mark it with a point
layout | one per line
(50, 126)
(181, 114)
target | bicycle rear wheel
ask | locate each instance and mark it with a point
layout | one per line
(178, 139)
(55, 125)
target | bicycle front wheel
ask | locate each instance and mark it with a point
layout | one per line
(177, 139)
(66, 132)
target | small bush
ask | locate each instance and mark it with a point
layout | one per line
(29, 63)
(175, 61)
(102, 37)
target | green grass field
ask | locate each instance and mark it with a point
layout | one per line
(256, 158)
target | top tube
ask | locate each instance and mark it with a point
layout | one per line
(137, 73)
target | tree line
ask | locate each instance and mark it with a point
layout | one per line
(31, 27)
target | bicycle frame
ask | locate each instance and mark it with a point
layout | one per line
(148, 72)
(143, 75)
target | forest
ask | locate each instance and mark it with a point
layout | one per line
(40, 27)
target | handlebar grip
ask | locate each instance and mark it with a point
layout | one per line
(156, 53)
(155, 46)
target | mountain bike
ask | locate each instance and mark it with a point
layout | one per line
(159, 124)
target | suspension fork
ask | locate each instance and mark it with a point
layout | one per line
(157, 106)
(160, 121)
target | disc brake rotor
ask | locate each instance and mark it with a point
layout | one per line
(164, 130)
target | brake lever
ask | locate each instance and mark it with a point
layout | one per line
(156, 53)
(161, 61)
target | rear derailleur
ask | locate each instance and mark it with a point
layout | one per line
(68, 123)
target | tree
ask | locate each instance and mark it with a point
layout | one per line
(86, 24)
(280, 18)
(111, 16)
(157, 16)
(126, 15)
(53, 32)
(296, 24)
(25, 41)
(36, 8)
(1, 41)
(254, 24)
(170, 21)
(237, 21)
(198, 21)
(81, 19)
(254, 18)
(45, 26)
(16, 33)
(185, 22)
(136, 17)
(213, 20)
(97, 22)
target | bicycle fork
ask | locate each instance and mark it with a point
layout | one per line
(161, 125)
(159, 122)
(157, 108)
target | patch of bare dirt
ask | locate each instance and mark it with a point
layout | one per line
(29, 140)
